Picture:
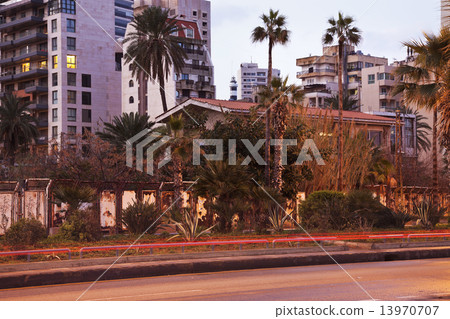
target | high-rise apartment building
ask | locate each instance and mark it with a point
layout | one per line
(250, 77)
(445, 13)
(319, 74)
(196, 79)
(54, 55)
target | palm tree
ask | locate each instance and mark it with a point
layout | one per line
(153, 50)
(346, 34)
(283, 97)
(422, 82)
(124, 127)
(17, 125)
(422, 130)
(349, 102)
(275, 31)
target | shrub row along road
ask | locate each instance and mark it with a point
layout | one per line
(399, 280)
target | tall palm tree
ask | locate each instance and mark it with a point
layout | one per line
(124, 127)
(423, 81)
(345, 33)
(274, 30)
(284, 97)
(17, 125)
(153, 50)
(349, 102)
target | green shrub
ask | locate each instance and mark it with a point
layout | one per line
(139, 216)
(25, 232)
(188, 227)
(81, 226)
(366, 210)
(429, 213)
(324, 210)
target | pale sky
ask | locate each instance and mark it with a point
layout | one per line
(384, 23)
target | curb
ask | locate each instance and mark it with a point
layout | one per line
(166, 268)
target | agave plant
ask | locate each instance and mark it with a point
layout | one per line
(188, 228)
(277, 218)
(428, 213)
(401, 217)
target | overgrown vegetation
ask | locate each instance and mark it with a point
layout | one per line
(24, 233)
(81, 225)
(141, 217)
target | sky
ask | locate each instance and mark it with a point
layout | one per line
(385, 24)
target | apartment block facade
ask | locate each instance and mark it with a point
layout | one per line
(196, 79)
(319, 74)
(250, 77)
(54, 55)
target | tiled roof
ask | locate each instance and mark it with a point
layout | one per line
(232, 105)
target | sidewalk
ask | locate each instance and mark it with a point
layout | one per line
(50, 273)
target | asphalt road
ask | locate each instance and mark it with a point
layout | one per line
(427, 279)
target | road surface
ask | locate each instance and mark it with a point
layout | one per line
(427, 279)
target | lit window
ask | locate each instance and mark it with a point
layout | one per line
(72, 115)
(72, 97)
(71, 62)
(26, 67)
(55, 62)
(42, 64)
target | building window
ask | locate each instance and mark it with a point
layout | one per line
(86, 116)
(71, 25)
(131, 100)
(204, 14)
(26, 67)
(68, 6)
(54, 97)
(71, 61)
(205, 32)
(194, 13)
(71, 115)
(409, 133)
(185, 76)
(371, 78)
(72, 97)
(86, 98)
(54, 79)
(86, 80)
(71, 44)
(55, 62)
(189, 33)
(72, 130)
(54, 115)
(54, 44)
(131, 83)
(204, 24)
(71, 79)
(54, 132)
(54, 25)
(383, 91)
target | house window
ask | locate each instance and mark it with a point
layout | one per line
(383, 91)
(71, 115)
(54, 132)
(54, 79)
(54, 115)
(194, 13)
(131, 83)
(71, 25)
(26, 67)
(55, 61)
(86, 116)
(371, 78)
(72, 97)
(72, 130)
(71, 44)
(54, 97)
(71, 61)
(68, 6)
(189, 33)
(131, 100)
(54, 44)
(86, 98)
(409, 133)
(54, 25)
(71, 79)
(86, 80)
(204, 14)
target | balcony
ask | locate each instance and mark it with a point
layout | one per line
(29, 56)
(20, 6)
(204, 86)
(9, 76)
(38, 106)
(42, 123)
(185, 85)
(29, 38)
(36, 89)
(23, 22)
(316, 72)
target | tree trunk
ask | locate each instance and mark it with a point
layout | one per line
(142, 93)
(268, 115)
(435, 157)
(279, 125)
(177, 180)
(341, 105)
(162, 92)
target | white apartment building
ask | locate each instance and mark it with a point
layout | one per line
(197, 76)
(249, 77)
(54, 55)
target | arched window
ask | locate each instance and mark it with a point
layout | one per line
(131, 83)
(131, 100)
